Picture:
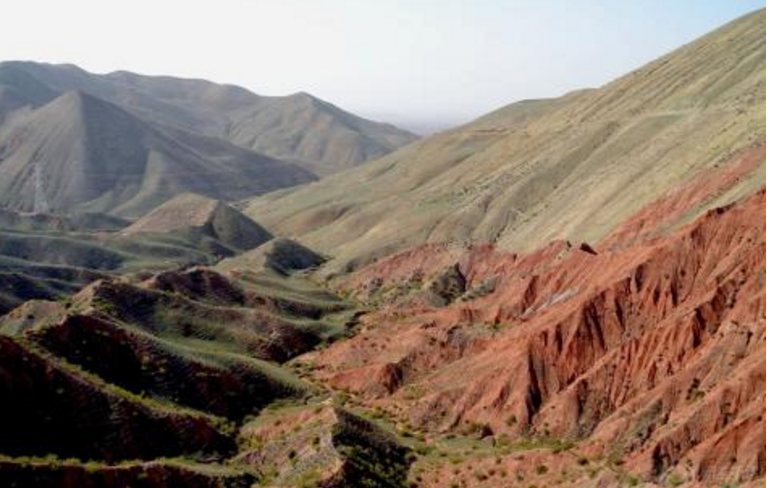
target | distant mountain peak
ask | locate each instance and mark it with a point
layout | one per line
(300, 128)
(89, 154)
(80, 101)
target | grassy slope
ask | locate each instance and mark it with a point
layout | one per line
(169, 344)
(572, 167)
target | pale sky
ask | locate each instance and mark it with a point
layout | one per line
(412, 62)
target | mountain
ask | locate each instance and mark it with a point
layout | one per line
(566, 292)
(81, 153)
(299, 128)
(573, 167)
(316, 134)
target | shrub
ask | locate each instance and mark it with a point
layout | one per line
(675, 479)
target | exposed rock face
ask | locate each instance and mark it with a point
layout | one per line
(632, 354)
(324, 446)
(447, 286)
(649, 346)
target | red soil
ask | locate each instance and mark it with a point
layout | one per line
(650, 350)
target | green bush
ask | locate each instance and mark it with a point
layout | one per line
(675, 479)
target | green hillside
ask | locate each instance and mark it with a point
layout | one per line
(572, 167)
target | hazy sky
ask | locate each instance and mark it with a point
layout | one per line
(409, 61)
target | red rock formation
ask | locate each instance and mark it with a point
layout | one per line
(648, 347)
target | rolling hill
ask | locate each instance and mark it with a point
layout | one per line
(573, 167)
(44, 256)
(174, 378)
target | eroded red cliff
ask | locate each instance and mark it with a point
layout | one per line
(648, 347)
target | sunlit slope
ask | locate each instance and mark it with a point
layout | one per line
(572, 167)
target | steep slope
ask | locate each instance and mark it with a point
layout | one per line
(569, 168)
(49, 408)
(483, 350)
(647, 351)
(158, 375)
(90, 155)
(300, 128)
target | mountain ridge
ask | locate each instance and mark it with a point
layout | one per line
(565, 292)
(94, 156)
(199, 105)
(572, 167)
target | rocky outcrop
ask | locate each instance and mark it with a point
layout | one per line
(649, 350)
(323, 445)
